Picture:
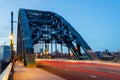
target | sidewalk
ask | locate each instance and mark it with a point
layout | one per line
(23, 73)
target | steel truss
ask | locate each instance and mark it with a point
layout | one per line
(35, 26)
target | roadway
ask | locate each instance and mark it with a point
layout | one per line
(80, 70)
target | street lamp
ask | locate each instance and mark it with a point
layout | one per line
(12, 46)
(12, 38)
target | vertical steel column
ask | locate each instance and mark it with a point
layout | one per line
(61, 50)
(78, 49)
(69, 54)
(51, 42)
(41, 54)
(46, 50)
(51, 47)
(37, 47)
(24, 54)
(56, 49)
(43, 49)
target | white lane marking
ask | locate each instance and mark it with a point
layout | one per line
(90, 66)
(93, 76)
(113, 72)
(91, 69)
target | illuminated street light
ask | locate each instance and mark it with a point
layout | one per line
(12, 38)
(12, 42)
(41, 54)
(49, 56)
(46, 52)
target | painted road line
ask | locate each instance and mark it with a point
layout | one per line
(113, 72)
(90, 68)
(93, 76)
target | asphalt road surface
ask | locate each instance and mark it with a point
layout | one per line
(81, 70)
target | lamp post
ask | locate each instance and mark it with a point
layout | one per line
(12, 46)
(12, 38)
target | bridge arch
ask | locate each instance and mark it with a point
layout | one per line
(35, 26)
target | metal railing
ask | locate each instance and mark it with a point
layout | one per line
(7, 74)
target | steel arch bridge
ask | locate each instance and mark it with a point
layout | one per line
(35, 26)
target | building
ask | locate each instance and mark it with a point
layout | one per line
(5, 52)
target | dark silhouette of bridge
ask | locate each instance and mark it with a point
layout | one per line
(47, 27)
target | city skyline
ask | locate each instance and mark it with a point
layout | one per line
(97, 21)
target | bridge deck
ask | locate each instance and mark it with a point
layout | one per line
(23, 73)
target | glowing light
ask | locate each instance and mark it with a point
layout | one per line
(11, 36)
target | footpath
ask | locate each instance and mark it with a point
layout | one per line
(23, 73)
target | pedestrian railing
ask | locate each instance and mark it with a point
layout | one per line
(7, 74)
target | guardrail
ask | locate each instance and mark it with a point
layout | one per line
(7, 74)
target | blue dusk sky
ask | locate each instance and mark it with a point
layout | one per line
(97, 21)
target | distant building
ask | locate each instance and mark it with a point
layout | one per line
(5, 52)
(99, 54)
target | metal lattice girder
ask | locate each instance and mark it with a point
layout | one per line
(48, 26)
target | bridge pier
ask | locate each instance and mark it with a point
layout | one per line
(29, 59)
